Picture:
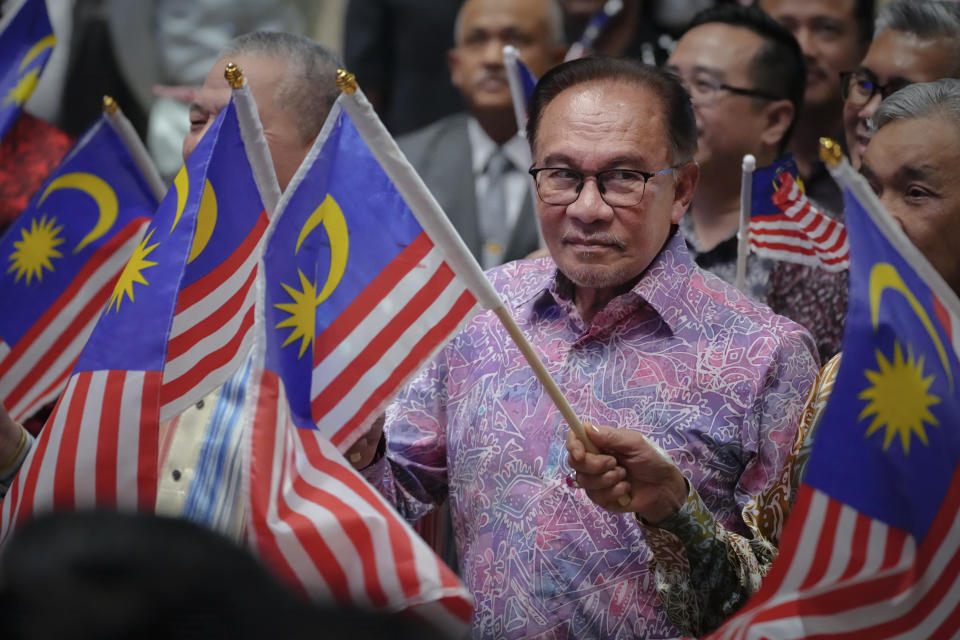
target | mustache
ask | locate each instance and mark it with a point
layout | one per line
(599, 237)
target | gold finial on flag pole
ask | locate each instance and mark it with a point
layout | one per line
(110, 105)
(234, 75)
(346, 81)
(830, 152)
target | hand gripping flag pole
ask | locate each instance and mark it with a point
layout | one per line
(433, 220)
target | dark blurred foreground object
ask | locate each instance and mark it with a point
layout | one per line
(109, 576)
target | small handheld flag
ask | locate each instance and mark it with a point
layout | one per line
(26, 43)
(175, 326)
(785, 225)
(584, 46)
(62, 257)
(871, 548)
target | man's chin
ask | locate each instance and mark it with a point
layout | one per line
(596, 276)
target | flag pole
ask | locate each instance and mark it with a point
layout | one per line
(254, 142)
(435, 222)
(746, 204)
(123, 128)
(510, 55)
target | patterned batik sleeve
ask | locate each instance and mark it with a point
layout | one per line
(412, 475)
(704, 572)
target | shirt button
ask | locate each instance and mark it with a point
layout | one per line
(176, 474)
(200, 404)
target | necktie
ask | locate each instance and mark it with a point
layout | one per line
(494, 231)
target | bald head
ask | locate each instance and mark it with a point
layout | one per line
(293, 82)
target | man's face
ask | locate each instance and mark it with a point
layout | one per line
(829, 36)
(476, 61)
(594, 127)
(896, 59)
(279, 126)
(729, 125)
(914, 167)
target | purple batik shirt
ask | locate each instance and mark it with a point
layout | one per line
(717, 380)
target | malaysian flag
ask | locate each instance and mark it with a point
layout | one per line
(172, 329)
(522, 82)
(357, 296)
(26, 42)
(785, 225)
(872, 547)
(62, 256)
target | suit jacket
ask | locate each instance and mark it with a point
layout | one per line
(441, 155)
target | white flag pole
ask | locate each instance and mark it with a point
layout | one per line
(123, 128)
(434, 221)
(510, 57)
(743, 234)
(254, 142)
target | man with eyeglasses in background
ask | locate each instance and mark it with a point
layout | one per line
(636, 336)
(746, 79)
(914, 41)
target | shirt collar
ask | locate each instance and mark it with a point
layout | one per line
(482, 147)
(663, 285)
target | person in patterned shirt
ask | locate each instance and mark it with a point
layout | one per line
(706, 570)
(635, 334)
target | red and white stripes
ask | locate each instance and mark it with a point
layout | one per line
(93, 415)
(383, 337)
(34, 371)
(319, 525)
(209, 338)
(850, 576)
(802, 233)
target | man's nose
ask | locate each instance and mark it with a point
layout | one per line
(868, 110)
(590, 207)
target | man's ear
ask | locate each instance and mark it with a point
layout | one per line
(778, 116)
(688, 175)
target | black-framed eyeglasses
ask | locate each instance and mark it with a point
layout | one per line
(561, 186)
(704, 90)
(860, 85)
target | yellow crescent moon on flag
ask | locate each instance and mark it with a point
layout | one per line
(41, 45)
(206, 221)
(884, 276)
(330, 214)
(181, 183)
(206, 215)
(101, 192)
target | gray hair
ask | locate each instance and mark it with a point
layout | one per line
(554, 23)
(923, 99)
(308, 88)
(922, 18)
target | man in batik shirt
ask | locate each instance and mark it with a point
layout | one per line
(636, 335)
(706, 569)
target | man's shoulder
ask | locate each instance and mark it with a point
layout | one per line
(519, 280)
(417, 143)
(721, 304)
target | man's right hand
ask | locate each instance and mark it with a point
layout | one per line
(363, 451)
(629, 475)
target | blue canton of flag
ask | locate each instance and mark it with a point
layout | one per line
(25, 46)
(100, 446)
(351, 280)
(61, 258)
(872, 545)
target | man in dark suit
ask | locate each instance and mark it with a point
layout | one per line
(474, 162)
